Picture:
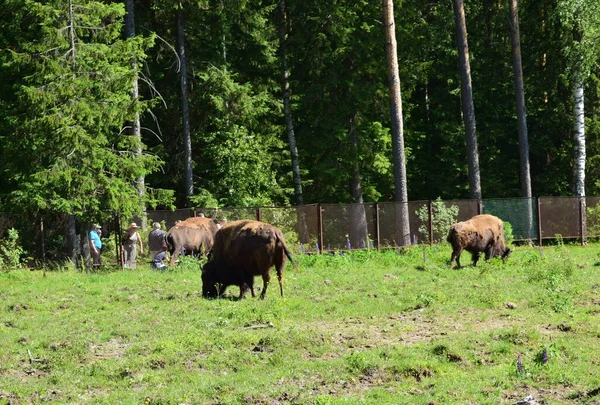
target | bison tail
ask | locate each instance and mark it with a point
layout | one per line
(289, 256)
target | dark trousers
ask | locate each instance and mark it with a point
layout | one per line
(96, 257)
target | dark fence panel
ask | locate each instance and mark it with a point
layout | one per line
(331, 227)
(298, 224)
(348, 226)
(235, 214)
(521, 213)
(593, 216)
(168, 217)
(560, 216)
(390, 224)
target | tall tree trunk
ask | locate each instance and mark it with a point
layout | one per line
(287, 109)
(521, 114)
(580, 152)
(185, 110)
(579, 133)
(289, 123)
(402, 217)
(135, 125)
(467, 100)
(71, 246)
(358, 216)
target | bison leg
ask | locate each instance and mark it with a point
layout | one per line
(266, 278)
(243, 289)
(475, 256)
(455, 257)
(174, 253)
(250, 285)
(280, 277)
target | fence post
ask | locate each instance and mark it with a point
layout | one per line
(320, 227)
(377, 226)
(42, 240)
(118, 247)
(539, 210)
(430, 212)
(259, 214)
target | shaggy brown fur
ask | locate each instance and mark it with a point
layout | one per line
(482, 233)
(242, 250)
(193, 235)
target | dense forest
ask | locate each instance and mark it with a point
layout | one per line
(112, 106)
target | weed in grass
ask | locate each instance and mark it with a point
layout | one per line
(447, 353)
(424, 300)
(357, 363)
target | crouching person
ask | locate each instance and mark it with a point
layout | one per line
(158, 262)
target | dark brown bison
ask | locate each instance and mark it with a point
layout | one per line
(482, 233)
(193, 235)
(242, 250)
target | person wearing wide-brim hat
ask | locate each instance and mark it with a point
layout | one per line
(131, 238)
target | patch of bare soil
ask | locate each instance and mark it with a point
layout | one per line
(109, 350)
(562, 395)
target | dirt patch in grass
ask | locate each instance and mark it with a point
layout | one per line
(109, 350)
(562, 395)
(406, 329)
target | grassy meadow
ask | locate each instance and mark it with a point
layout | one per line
(361, 328)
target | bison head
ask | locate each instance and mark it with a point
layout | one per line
(210, 284)
(505, 254)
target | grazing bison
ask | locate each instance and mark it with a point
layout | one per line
(193, 235)
(482, 233)
(242, 250)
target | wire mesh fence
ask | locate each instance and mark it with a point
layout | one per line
(318, 228)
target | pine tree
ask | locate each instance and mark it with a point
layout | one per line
(68, 152)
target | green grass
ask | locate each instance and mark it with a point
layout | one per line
(360, 328)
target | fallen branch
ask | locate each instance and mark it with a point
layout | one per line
(32, 360)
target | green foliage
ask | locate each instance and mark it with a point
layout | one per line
(236, 153)
(204, 198)
(10, 250)
(71, 153)
(508, 233)
(63, 112)
(443, 216)
(593, 219)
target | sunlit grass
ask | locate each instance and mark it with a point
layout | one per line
(355, 328)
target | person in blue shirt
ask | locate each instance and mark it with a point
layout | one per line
(95, 244)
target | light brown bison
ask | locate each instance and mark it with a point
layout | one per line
(482, 233)
(244, 249)
(194, 235)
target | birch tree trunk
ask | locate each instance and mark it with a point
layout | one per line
(521, 114)
(579, 133)
(467, 100)
(580, 152)
(185, 110)
(402, 217)
(135, 125)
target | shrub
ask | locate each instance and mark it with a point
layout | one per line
(442, 219)
(508, 233)
(10, 251)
